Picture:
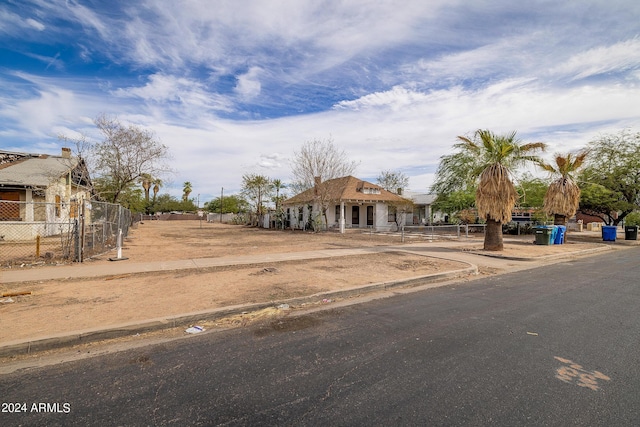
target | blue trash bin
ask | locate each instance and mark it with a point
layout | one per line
(609, 233)
(560, 235)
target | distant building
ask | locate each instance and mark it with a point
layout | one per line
(353, 203)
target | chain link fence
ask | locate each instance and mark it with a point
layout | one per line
(43, 233)
(435, 232)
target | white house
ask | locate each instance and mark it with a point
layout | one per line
(349, 202)
(423, 213)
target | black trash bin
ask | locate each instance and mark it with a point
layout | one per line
(631, 232)
(544, 235)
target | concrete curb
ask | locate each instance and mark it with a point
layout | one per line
(553, 256)
(150, 325)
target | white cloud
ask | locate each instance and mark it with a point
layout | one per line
(273, 161)
(35, 24)
(619, 57)
(248, 84)
(395, 99)
(191, 95)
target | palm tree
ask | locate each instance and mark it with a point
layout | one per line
(157, 183)
(145, 179)
(278, 185)
(494, 158)
(256, 187)
(186, 190)
(563, 195)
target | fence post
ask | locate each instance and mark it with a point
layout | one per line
(119, 243)
(82, 235)
(76, 240)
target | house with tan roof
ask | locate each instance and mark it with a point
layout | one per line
(346, 202)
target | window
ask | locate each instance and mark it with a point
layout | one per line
(367, 190)
(73, 209)
(58, 208)
(392, 214)
(9, 206)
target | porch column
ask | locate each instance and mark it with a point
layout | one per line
(342, 220)
(28, 211)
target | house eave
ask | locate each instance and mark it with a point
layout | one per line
(304, 202)
(17, 187)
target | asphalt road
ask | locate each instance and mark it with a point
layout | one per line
(556, 346)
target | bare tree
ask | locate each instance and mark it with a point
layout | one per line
(317, 162)
(319, 159)
(400, 211)
(393, 181)
(80, 165)
(126, 154)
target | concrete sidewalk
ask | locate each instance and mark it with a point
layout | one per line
(448, 250)
(90, 270)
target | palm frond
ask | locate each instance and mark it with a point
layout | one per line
(496, 195)
(562, 197)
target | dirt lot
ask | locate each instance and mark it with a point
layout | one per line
(58, 306)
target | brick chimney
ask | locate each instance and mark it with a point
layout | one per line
(66, 153)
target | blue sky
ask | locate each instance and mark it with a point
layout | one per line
(235, 87)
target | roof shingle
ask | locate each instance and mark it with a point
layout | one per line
(347, 189)
(35, 171)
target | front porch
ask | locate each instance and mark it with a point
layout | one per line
(360, 215)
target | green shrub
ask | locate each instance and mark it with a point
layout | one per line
(632, 219)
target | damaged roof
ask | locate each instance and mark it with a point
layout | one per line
(21, 170)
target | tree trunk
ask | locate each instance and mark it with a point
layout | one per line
(493, 236)
(559, 220)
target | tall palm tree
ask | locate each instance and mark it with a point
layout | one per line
(494, 159)
(278, 185)
(145, 179)
(563, 195)
(186, 190)
(157, 183)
